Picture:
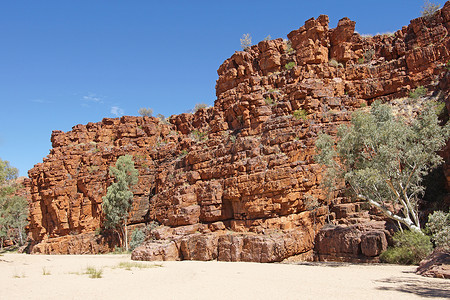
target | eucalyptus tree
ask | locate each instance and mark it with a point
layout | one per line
(119, 198)
(383, 158)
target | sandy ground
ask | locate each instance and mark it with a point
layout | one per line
(22, 277)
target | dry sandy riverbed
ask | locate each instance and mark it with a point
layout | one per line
(22, 277)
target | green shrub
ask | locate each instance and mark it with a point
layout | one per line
(289, 48)
(145, 112)
(289, 65)
(447, 65)
(368, 55)
(300, 114)
(410, 248)
(199, 136)
(246, 41)
(420, 91)
(335, 63)
(199, 106)
(439, 226)
(429, 9)
(137, 238)
(93, 272)
(268, 101)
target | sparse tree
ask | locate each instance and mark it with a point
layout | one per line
(429, 9)
(13, 209)
(383, 159)
(118, 200)
(200, 106)
(145, 112)
(439, 226)
(246, 41)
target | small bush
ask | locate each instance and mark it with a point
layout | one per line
(368, 55)
(145, 112)
(335, 63)
(267, 38)
(361, 60)
(439, 226)
(199, 106)
(45, 271)
(429, 9)
(246, 41)
(199, 136)
(409, 248)
(289, 48)
(447, 65)
(269, 101)
(137, 238)
(419, 92)
(289, 65)
(300, 114)
(94, 272)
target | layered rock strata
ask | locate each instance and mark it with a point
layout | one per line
(235, 181)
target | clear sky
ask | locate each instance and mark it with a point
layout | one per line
(64, 63)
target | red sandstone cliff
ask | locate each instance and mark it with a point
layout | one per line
(233, 182)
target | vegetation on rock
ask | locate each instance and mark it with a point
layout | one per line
(383, 159)
(145, 112)
(246, 41)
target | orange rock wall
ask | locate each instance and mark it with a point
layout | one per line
(245, 164)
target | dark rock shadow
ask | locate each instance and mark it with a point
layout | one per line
(430, 288)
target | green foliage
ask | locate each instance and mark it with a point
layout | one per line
(300, 114)
(289, 48)
(7, 172)
(429, 9)
(199, 106)
(290, 65)
(199, 135)
(419, 92)
(45, 272)
(137, 238)
(447, 65)
(439, 226)
(145, 112)
(383, 159)
(118, 200)
(128, 265)
(335, 63)
(269, 101)
(13, 209)
(246, 41)
(94, 272)
(410, 247)
(368, 55)
(183, 153)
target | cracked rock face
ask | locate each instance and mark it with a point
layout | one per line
(234, 182)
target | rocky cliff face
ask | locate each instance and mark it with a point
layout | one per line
(235, 181)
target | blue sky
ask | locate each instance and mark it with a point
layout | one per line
(64, 63)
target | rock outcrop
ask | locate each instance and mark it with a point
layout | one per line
(436, 265)
(236, 181)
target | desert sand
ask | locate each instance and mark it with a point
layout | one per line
(22, 277)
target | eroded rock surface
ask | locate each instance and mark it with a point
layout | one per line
(235, 181)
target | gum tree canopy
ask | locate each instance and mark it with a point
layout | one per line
(13, 208)
(383, 159)
(118, 200)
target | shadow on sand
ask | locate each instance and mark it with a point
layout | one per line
(417, 286)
